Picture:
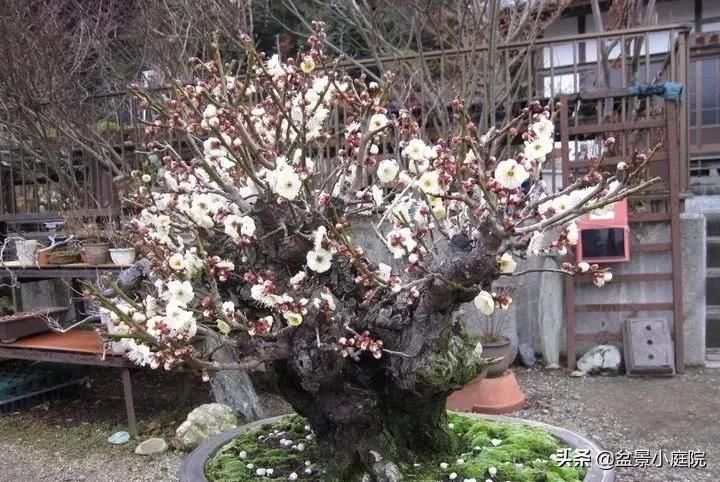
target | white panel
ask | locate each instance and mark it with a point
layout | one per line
(558, 55)
(560, 84)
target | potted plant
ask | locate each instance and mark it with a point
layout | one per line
(122, 252)
(26, 250)
(495, 343)
(366, 351)
(95, 248)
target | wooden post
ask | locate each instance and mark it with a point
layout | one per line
(673, 150)
(569, 282)
(129, 404)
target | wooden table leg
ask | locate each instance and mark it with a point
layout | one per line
(129, 404)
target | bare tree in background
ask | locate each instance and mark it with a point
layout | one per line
(66, 64)
(438, 49)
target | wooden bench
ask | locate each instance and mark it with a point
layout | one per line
(80, 347)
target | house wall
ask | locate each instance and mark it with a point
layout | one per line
(693, 275)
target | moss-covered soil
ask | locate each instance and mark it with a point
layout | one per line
(485, 450)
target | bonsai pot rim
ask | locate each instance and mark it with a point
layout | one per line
(193, 467)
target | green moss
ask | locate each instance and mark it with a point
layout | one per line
(522, 455)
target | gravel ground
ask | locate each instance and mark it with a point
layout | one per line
(681, 413)
(65, 441)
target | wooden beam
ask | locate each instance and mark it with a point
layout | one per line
(613, 307)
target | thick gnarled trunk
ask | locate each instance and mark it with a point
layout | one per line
(374, 416)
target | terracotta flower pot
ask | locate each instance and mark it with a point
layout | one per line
(123, 256)
(96, 253)
(43, 257)
(498, 349)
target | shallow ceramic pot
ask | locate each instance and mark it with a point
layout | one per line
(498, 349)
(28, 323)
(123, 256)
(96, 253)
(193, 468)
(26, 250)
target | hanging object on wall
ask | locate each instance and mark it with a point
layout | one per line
(605, 237)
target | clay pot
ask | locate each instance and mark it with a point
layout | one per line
(64, 257)
(123, 256)
(43, 257)
(96, 253)
(497, 349)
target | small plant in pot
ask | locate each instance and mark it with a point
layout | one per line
(123, 252)
(495, 343)
(95, 247)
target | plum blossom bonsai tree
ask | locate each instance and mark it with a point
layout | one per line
(250, 222)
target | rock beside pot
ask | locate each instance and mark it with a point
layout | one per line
(152, 446)
(123, 256)
(602, 359)
(204, 423)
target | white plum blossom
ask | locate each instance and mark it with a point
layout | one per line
(260, 292)
(401, 242)
(297, 279)
(180, 292)
(510, 174)
(485, 303)
(572, 234)
(416, 150)
(507, 264)
(388, 170)
(429, 182)
(543, 128)
(292, 318)
(377, 121)
(319, 260)
(177, 262)
(274, 67)
(287, 184)
(538, 148)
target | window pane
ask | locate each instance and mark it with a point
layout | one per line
(709, 117)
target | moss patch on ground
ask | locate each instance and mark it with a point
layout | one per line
(485, 450)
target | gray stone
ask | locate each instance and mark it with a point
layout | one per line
(202, 424)
(601, 359)
(527, 354)
(119, 438)
(578, 374)
(694, 264)
(152, 446)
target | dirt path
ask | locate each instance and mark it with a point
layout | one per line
(66, 440)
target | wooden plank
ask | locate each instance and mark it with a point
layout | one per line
(674, 168)
(599, 337)
(650, 247)
(56, 216)
(608, 307)
(648, 217)
(612, 161)
(77, 341)
(616, 127)
(631, 277)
